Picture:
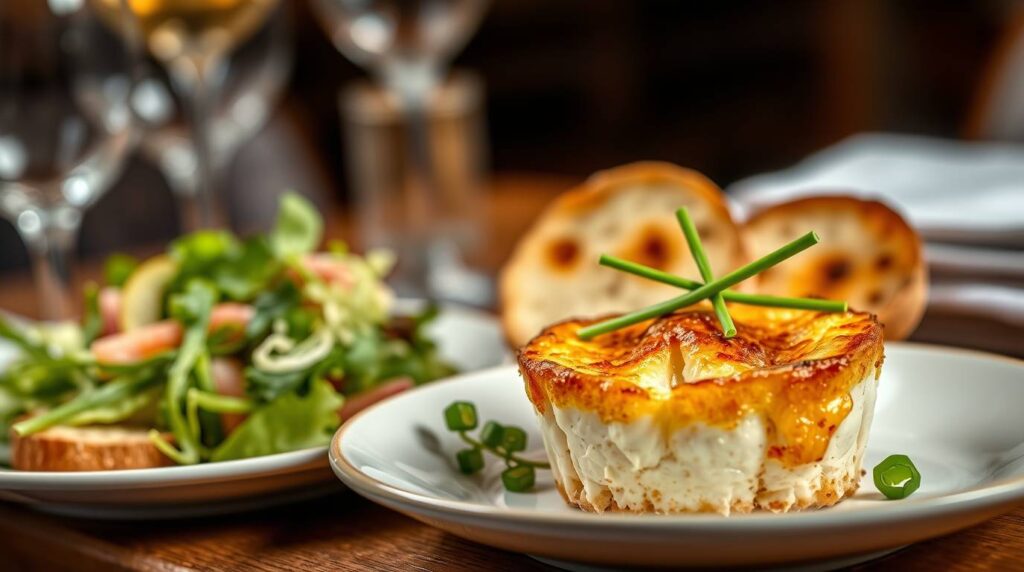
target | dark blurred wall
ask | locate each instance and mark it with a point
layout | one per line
(728, 87)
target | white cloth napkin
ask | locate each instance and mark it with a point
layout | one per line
(949, 190)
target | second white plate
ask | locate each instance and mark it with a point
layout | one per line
(468, 338)
(955, 413)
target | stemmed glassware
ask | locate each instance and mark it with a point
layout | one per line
(192, 40)
(65, 125)
(259, 69)
(407, 45)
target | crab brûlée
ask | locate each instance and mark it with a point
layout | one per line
(668, 416)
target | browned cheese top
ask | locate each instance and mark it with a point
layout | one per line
(793, 367)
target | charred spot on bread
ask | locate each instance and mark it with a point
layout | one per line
(652, 247)
(871, 257)
(563, 254)
(836, 269)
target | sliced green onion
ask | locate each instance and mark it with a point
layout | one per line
(513, 439)
(492, 434)
(519, 478)
(704, 267)
(815, 304)
(731, 279)
(470, 461)
(460, 416)
(896, 477)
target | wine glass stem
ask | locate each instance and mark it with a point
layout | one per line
(196, 79)
(50, 238)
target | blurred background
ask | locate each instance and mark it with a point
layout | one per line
(531, 97)
(730, 88)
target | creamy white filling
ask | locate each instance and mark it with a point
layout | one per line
(697, 467)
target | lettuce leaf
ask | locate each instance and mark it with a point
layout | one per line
(288, 423)
(118, 268)
(299, 227)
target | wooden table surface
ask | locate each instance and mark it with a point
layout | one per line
(346, 532)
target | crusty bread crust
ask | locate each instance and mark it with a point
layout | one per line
(627, 211)
(868, 256)
(86, 449)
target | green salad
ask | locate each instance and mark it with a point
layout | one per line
(223, 348)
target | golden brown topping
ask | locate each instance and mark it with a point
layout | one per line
(794, 367)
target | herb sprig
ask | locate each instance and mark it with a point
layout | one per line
(716, 290)
(500, 440)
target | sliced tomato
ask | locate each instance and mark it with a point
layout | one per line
(149, 340)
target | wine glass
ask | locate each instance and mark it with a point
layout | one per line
(65, 125)
(192, 40)
(259, 70)
(407, 46)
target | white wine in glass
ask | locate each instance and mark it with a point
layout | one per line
(192, 39)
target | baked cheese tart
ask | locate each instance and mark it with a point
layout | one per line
(667, 416)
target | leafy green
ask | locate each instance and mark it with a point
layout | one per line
(266, 387)
(269, 306)
(288, 423)
(104, 396)
(202, 250)
(118, 268)
(299, 227)
(192, 308)
(92, 321)
(140, 405)
(307, 334)
(246, 270)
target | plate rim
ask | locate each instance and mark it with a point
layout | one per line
(994, 493)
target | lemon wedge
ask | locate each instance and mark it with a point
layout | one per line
(143, 292)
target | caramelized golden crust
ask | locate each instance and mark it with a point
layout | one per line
(795, 368)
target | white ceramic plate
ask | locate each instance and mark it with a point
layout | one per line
(955, 413)
(468, 338)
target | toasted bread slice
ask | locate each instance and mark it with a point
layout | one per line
(868, 256)
(627, 211)
(86, 449)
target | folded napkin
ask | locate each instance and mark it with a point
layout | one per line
(949, 190)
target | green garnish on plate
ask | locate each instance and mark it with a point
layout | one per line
(896, 477)
(715, 290)
(503, 441)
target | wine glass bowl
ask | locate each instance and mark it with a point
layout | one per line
(65, 125)
(259, 70)
(191, 39)
(407, 46)
(404, 42)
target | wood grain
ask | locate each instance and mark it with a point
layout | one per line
(346, 532)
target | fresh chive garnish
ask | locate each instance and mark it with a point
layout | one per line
(730, 295)
(704, 267)
(731, 279)
(896, 477)
(501, 440)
